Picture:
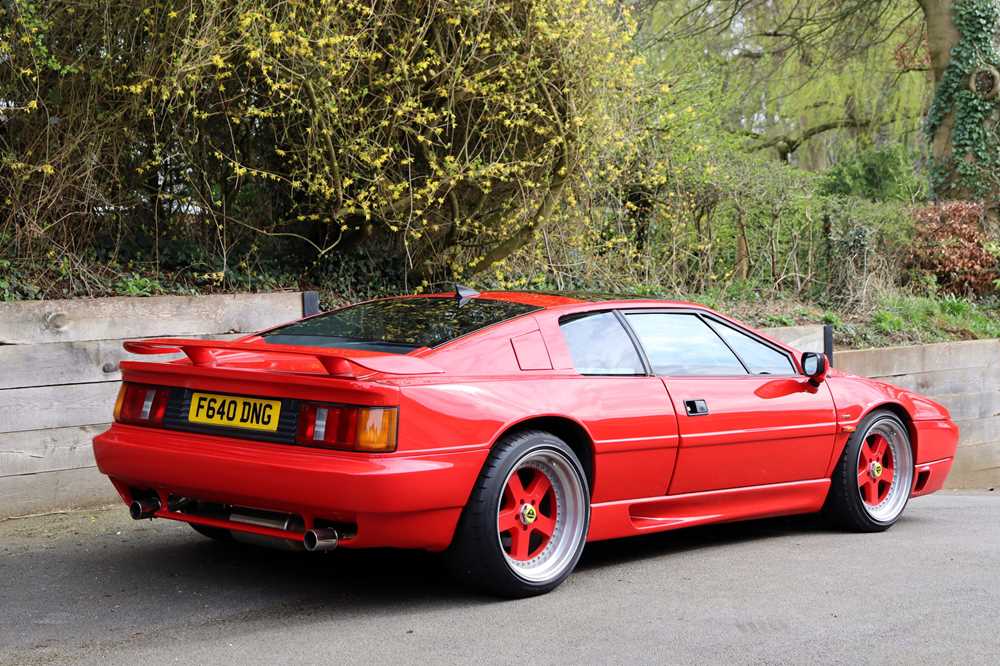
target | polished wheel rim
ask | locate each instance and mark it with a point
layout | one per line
(885, 470)
(541, 515)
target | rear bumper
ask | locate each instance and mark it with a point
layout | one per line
(397, 500)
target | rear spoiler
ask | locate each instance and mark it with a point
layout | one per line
(336, 362)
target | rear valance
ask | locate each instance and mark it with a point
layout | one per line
(335, 362)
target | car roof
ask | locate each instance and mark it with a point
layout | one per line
(568, 303)
(552, 299)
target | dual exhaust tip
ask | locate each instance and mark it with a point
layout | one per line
(320, 538)
(315, 540)
(144, 507)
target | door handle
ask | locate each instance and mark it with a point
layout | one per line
(696, 407)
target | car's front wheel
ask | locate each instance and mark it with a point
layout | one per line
(524, 528)
(871, 484)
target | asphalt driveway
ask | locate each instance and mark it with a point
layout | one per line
(95, 587)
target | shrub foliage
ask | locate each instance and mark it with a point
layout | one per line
(951, 244)
(392, 145)
(442, 133)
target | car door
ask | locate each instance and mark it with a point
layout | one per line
(626, 410)
(746, 416)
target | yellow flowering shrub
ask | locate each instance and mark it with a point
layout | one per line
(446, 134)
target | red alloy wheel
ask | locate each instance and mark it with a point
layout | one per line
(527, 517)
(876, 469)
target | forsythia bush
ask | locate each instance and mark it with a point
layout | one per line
(444, 133)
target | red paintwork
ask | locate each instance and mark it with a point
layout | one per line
(760, 430)
(768, 446)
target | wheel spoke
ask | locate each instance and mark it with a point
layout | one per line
(520, 542)
(863, 478)
(880, 446)
(544, 525)
(516, 488)
(866, 455)
(871, 492)
(507, 520)
(538, 488)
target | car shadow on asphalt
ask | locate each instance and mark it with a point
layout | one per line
(377, 577)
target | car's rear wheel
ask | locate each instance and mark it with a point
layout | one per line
(524, 528)
(873, 479)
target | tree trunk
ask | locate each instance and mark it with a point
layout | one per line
(742, 247)
(942, 36)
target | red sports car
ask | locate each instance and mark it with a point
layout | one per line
(509, 429)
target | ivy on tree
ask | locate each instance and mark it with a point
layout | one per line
(975, 143)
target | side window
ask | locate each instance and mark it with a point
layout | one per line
(759, 358)
(600, 346)
(683, 344)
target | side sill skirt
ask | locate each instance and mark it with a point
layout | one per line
(610, 520)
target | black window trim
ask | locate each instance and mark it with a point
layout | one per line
(573, 316)
(704, 315)
(646, 365)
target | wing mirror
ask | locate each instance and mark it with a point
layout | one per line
(815, 366)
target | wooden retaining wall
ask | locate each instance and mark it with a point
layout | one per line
(59, 377)
(965, 378)
(803, 338)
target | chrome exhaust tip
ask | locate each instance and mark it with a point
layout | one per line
(321, 538)
(144, 508)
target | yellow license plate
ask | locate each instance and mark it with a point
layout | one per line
(234, 412)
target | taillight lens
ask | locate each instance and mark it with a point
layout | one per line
(370, 429)
(141, 404)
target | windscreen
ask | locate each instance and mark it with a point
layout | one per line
(397, 325)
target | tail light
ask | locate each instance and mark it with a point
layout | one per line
(370, 429)
(141, 404)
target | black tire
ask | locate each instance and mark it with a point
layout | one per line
(477, 555)
(845, 506)
(214, 533)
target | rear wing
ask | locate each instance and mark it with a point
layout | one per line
(344, 363)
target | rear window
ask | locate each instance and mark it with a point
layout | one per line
(397, 325)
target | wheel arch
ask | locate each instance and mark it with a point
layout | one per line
(904, 415)
(569, 430)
